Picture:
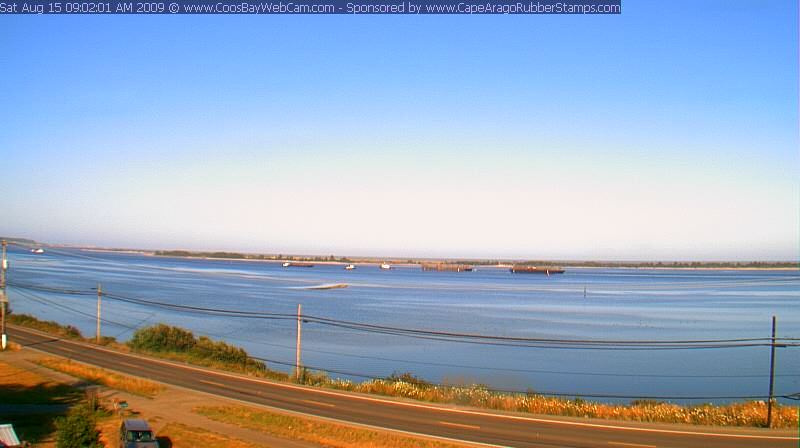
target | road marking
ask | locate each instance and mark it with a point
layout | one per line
(639, 445)
(459, 425)
(319, 403)
(214, 384)
(129, 364)
(415, 405)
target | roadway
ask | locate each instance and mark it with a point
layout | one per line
(417, 418)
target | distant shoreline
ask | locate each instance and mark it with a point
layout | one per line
(412, 262)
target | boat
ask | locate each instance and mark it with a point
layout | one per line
(328, 286)
(37, 251)
(289, 264)
(547, 270)
(385, 266)
(447, 267)
(350, 267)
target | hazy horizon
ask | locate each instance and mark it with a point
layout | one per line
(668, 132)
(382, 255)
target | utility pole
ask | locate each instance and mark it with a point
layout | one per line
(771, 376)
(99, 299)
(3, 297)
(299, 331)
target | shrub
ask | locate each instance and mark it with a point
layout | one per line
(26, 320)
(163, 338)
(409, 378)
(312, 378)
(77, 429)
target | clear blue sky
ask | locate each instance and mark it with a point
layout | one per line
(668, 132)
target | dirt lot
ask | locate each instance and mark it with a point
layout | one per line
(33, 396)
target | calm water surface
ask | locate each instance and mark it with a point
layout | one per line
(619, 304)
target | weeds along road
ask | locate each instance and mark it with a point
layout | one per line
(449, 422)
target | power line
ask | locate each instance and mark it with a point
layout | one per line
(504, 369)
(480, 339)
(521, 339)
(358, 375)
(543, 393)
(42, 300)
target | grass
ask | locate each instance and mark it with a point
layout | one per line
(190, 358)
(19, 386)
(64, 331)
(173, 434)
(319, 432)
(181, 345)
(181, 436)
(105, 377)
(750, 413)
(49, 326)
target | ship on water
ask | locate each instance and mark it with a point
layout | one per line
(446, 267)
(290, 264)
(37, 251)
(350, 267)
(386, 266)
(525, 269)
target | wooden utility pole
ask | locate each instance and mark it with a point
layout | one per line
(771, 376)
(99, 299)
(299, 332)
(3, 297)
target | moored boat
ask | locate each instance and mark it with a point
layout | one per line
(447, 267)
(290, 264)
(547, 270)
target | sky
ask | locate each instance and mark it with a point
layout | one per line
(669, 132)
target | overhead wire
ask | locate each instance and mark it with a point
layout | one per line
(470, 338)
(35, 297)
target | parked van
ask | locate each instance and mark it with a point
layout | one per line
(136, 433)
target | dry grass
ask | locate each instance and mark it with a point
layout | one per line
(20, 386)
(14, 375)
(750, 413)
(319, 432)
(13, 347)
(109, 430)
(105, 377)
(182, 436)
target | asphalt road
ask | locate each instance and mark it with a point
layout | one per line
(459, 423)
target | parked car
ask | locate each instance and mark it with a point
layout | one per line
(136, 433)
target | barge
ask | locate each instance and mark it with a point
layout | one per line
(547, 270)
(447, 267)
(290, 264)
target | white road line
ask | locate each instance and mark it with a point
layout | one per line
(430, 407)
(319, 403)
(213, 384)
(637, 445)
(129, 365)
(459, 425)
